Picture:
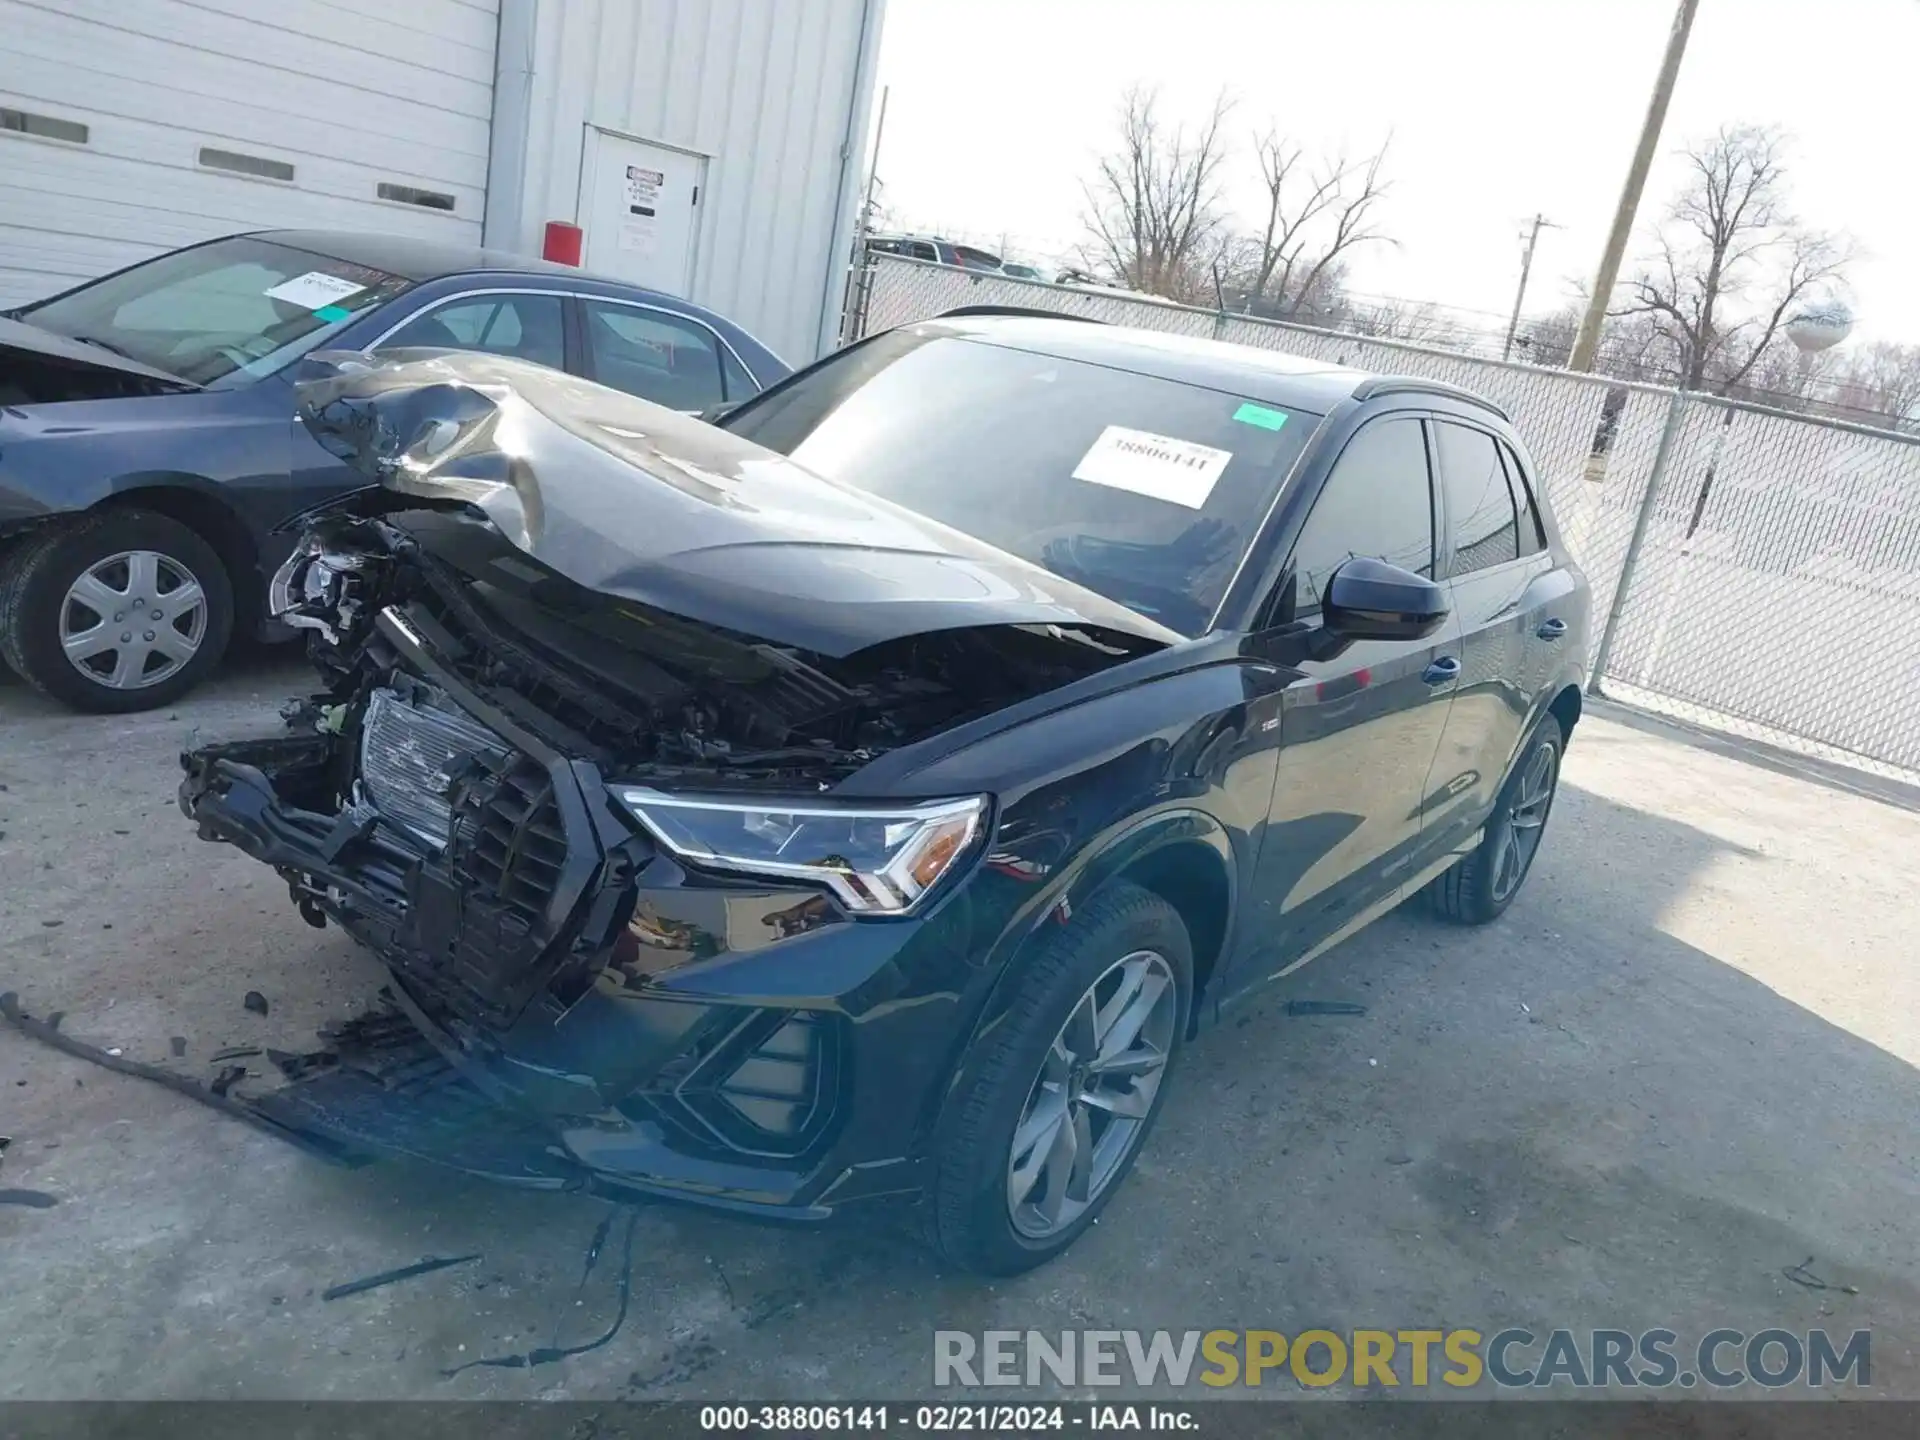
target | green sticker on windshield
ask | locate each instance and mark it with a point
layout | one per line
(1252, 414)
(330, 313)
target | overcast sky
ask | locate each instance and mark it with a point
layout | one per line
(1497, 109)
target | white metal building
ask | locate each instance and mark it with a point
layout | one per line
(712, 148)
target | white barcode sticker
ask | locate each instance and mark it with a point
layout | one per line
(1177, 471)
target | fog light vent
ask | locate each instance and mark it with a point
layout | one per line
(765, 1087)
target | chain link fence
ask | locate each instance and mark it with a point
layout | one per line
(1752, 571)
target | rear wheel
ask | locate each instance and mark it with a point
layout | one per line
(1480, 887)
(115, 611)
(1066, 1087)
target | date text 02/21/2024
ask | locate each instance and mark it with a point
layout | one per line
(944, 1419)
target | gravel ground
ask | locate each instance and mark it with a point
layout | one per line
(1684, 1062)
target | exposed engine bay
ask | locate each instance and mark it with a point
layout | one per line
(593, 673)
(641, 693)
(495, 666)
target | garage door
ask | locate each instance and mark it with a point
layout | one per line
(128, 127)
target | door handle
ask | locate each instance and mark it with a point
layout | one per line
(1552, 629)
(1446, 668)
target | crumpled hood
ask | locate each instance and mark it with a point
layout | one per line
(634, 500)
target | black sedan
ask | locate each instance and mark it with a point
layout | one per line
(868, 799)
(148, 446)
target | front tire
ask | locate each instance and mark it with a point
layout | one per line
(1479, 889)
(1059, 1097)
(114, 611)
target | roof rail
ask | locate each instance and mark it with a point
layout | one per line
(1031, 310)
(1415, 385)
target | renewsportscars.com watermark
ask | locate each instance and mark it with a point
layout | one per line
(1388, 1359)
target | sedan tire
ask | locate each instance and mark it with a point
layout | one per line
(114, 611)
(1053, 1107)
(1480, 888)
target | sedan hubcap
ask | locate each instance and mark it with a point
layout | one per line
(1526, 820)
(1094, 1091)
(133, 619)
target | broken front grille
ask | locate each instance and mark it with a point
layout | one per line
(479, 938)
(517, 845)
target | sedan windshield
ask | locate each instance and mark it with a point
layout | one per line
(1145, 490)
(219, 315)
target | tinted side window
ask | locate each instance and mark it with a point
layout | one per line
(1377, 502)
(1479, 507)
(740, 385)
(923, 251)
(1533, 533)
(654, 355)
(526, 327)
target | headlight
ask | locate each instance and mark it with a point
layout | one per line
(878, 859)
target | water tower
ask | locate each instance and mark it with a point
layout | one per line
(1819, 325)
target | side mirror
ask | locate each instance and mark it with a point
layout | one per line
(1372, 600)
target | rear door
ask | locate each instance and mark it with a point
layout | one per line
(1495, 560)
(660, 355)
(1358, 732)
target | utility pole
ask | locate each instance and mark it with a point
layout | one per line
(1540, 222)
(1588, 340)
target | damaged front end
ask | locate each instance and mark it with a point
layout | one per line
(600, 845)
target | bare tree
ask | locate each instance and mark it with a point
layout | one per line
(1315, 214)
(1784, 376)
(1731, 261)
(1154, 212)
(1548, 339)
(1417, 323)
(1882, 379)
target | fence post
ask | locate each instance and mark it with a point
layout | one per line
(859, 292)
(1676, 411)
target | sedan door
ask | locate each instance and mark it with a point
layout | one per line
(1358, 731)
(661, 355)
(1497, 565)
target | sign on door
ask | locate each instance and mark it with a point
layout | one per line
(643, 212)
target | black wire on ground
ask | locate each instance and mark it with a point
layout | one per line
(549, 1354)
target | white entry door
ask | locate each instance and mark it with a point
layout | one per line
(642, 211)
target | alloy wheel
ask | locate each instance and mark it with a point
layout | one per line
(1526, 820)
(133, 619)
(1090, 1101)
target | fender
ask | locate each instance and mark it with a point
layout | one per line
(1101, 860)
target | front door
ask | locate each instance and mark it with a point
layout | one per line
(1359, 731)
(640, 207)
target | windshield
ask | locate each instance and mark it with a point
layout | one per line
(220, 315)
(1145, 490)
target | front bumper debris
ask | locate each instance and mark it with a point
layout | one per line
(572, 1008)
